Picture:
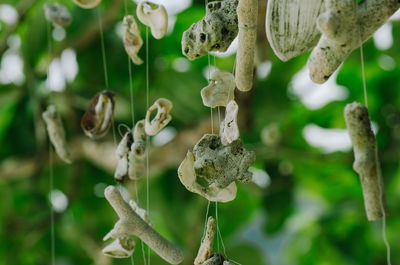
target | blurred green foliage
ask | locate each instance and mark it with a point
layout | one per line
(311, 213)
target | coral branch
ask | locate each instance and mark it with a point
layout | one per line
(130, 223)
(344, 27)
(366, 162)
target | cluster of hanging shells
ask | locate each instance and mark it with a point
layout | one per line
(220, 160)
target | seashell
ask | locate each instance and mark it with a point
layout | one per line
(132, 39)
(187, 176)
(229, 130)
(154, 16)
(98, 118)
(56, 132)
(215, 259)
(122, 247)
(206, 246)
(215, 32)
(137, 152)
(87, 4)
(58, 14)
(122, 151)
(162, 117)
(141, 212)
(291, 26)
(220, 90)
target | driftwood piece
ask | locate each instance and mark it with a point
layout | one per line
(291, 28)
(154, 16)
(206, 246)
(56, 132)
(130, 223)
(215, 32)
(366, 162)
(247, 12)
(345, 26)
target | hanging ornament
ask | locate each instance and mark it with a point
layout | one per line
(87, 4)
(220, 90)
(121, 247)
(366, 162)
(98, 117)
(162, 118)
(58, 14)
(229, 129)
(215, 32)
(206, 246)
(154, 16)
(132, 39)
(56, 132)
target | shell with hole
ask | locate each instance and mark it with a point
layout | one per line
(162, 118)
(154, 16)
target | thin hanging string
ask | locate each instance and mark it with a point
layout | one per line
(51, 177)
(147, 137)
(363, 76)
(205, 222)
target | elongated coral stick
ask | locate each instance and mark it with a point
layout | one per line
(130, 223)
(366, 162)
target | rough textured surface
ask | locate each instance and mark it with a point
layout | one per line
(247, 16)
(229, 129)
(56, 132)
(57, 14)
(121, 247)
(136, 157)
(220, 90)
(132, 39)
(221, 165)
(98, 117)
(87, 3)
(206, 246)
(344, 27)
(216, 259)
(162, 118)
(291, 28)
(215, 32)
(154, 16)
(130, 223)
(366, 162)
(212, 193)
(141, 212)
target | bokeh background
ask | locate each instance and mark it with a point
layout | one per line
(304, 205)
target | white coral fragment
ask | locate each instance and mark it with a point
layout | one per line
(229, 129)
(130, 223)
(58, 14)
(87, 4)
(121, 247)
(187, 176)
(162, 118)
(366, 162)
(56, 132)
(154, 16)
(247, 11)
(291, 26)
(206, 246)
(220, 90)
(98, 117)
(132, 39)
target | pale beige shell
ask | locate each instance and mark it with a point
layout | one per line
(187, 176)
(132, 39)
(220, 90)
(154, 16)
(291, 26)
(121, 247)
(87, 3)
(229, 129)
(162, 118)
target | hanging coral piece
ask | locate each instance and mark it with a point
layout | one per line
(229, 129)
(206, 246)
(154, 16)
(215, 32)
(121, 247)
(58, 14)
(188, 178)
(345, 25)
(162, 118)
(366, 162)
(247, 16)
(130, 223)
(87, 4)
(137, 152)
(132, 39)
(98, 118)
(56, 132)
(291, 26)
(220, 90)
